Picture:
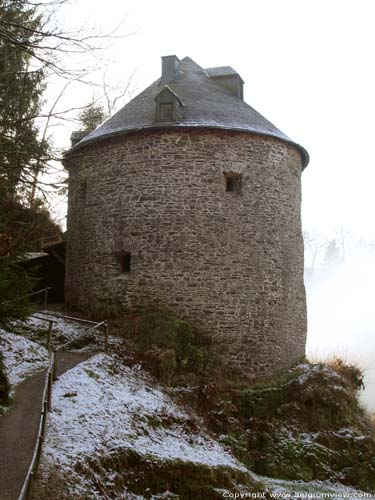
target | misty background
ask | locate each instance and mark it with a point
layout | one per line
(340, 286)
(308, 68)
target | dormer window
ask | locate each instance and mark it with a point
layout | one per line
(166, 112)
(228, 78)
(168, 106)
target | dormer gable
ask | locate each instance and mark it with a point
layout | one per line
(169, 107)
(228, 78)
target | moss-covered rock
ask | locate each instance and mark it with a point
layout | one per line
(166, 346)
(305, 425)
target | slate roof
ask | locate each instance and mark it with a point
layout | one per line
(221, 71)
(207, 104)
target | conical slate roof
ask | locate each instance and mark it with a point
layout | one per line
(206, 104)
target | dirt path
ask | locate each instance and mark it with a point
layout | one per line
(19, 427)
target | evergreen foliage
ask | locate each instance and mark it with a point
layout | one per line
(22, 230)
(21, 88)
(24, 222)
(92, 116)
(15, 286)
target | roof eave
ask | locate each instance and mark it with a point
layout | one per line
(304, 154)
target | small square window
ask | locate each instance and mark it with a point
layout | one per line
(124, 260)
(166, 112)
(233, 182)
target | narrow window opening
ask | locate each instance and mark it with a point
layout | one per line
(233, 182)
(83, 191)
(125, 261)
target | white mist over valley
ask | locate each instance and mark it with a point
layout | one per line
(341, 314)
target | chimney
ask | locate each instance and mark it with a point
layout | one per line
(77, 136)
(169, 67)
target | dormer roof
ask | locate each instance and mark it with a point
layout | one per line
(167, 89)
(222, 71)
(206, 104)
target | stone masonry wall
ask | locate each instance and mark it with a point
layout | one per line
(231, 263)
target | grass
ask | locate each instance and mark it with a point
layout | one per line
(136, 474)
(291, 425)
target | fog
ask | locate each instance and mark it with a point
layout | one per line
(341, 315)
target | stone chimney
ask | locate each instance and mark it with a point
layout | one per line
(169, 67)
(77, 136)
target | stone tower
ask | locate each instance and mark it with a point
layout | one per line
(188, 200)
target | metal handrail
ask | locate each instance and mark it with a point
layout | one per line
(40, 291)
(72, 318)
(50, 328)
(97, 325)
(46, 407)
(45, 290)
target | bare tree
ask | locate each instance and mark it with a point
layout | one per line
(33, 30)
(47, 42)
(315, 244)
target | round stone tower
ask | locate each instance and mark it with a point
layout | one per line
(188, 200)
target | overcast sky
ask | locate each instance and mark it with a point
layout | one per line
(308, 67)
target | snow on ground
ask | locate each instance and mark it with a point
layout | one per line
(102, 405)
(24, 344)
(313, 490)
(22, 357)
(63, 330)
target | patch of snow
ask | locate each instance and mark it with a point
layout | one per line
(348, 432)
(102, 405)
(22, 357)
(63, 330)
(308, 437)
(31, 256)
(311, 370)
(312, 490)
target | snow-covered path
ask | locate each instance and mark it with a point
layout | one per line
(19, 427)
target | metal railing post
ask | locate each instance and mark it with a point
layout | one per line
(44, 419)
(32, 472)
(105, 337)
(54, 369)
(49, 338)
(37, 460)
(49, 401)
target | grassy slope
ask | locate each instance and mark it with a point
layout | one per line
(305, 425)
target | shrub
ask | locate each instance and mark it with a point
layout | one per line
(15, 286)
(351, 373)
(167, 345)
